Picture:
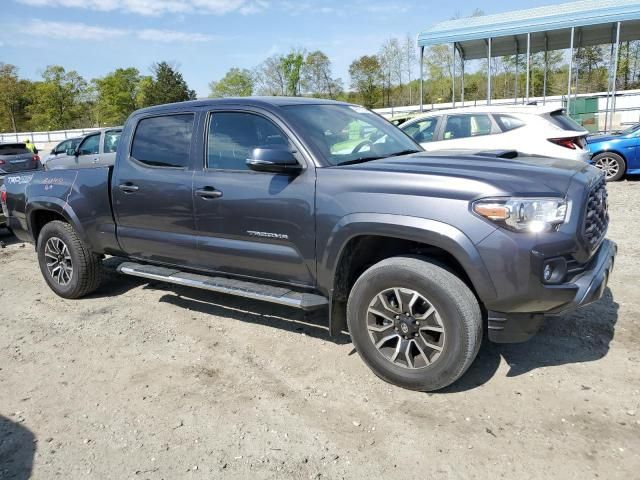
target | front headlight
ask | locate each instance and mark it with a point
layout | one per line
(523, 214)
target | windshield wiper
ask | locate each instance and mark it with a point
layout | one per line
(405, 152)
(366, 159)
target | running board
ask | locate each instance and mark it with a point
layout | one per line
(255, 291)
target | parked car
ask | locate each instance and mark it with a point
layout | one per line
(528, 129)
(616, 155)
(404, 248)
(97, 149)
(61, 148)
(15, 157)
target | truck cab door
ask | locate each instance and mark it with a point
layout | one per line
(254, 224)
(152, 190)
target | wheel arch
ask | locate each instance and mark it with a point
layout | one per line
(43, 210)
(360, 240)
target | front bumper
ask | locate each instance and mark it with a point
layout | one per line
(584, 289)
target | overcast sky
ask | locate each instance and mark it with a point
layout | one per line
(207, 37)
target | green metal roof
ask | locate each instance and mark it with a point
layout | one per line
(594, 20)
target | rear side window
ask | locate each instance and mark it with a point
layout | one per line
(14, 149)
(90, 145)
(565, 122)
(111, 141)
(163, 141)
(507, 122)
(464, 126)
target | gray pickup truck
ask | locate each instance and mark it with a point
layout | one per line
(317, 204)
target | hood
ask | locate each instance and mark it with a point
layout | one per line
(528, 175)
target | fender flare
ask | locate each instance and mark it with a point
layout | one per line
(55, 205)
(431, 232)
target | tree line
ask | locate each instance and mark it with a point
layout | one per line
(63, 99)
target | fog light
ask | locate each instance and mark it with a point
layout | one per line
(548, 273)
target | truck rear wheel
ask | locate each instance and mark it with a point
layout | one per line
(414, 323)
(66, 263)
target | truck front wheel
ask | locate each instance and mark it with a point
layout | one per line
(414, 323)
(66, 263)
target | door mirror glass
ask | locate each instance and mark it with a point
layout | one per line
(275, 160)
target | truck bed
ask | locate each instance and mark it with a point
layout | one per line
(81, 196)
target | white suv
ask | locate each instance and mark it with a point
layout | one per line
(529, 129)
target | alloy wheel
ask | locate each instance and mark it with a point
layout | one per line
(609, 166)
(406, 328)
(58, 260)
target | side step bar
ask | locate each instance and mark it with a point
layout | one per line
(255, 291)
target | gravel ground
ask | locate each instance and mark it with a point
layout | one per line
(146, 380)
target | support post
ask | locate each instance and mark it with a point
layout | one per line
(515, 85)
(421, 78)
(606, 108)
(453, 79)
(573, 31)
(615, 74)
(489, 71)
(528, 64)
(461, 52)
(546, 66)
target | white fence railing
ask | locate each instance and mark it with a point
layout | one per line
(45, 137)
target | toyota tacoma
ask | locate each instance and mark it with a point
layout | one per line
(325, 205)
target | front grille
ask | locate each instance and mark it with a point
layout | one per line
(596, 217)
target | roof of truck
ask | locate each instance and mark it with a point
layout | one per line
(246, 101)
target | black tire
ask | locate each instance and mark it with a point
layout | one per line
(612, 164)
(85, 266)
(458, 312)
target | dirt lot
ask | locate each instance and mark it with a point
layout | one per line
(145, 380)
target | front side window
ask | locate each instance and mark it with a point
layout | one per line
(464, 126)
(233, 136)
(345, 134)
(111, 141)
(63, 147)
(163, 141)
(423, 131)
(90, 145)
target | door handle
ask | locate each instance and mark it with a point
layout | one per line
(128, 187)
(96, 160)
(208, 193)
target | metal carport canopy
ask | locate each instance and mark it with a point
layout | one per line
(594, 22)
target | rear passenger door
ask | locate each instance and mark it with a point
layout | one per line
(255, 224)
(152, 190)
(468, 131)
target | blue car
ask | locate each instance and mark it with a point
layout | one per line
(618, 154)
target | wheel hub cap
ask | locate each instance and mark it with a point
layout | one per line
(405, 328)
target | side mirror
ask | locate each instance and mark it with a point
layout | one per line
(72, 152)
(274, 160)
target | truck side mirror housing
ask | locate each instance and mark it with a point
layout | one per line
(274, 160)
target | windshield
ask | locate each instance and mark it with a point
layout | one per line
(631, 129)
(346, 134)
